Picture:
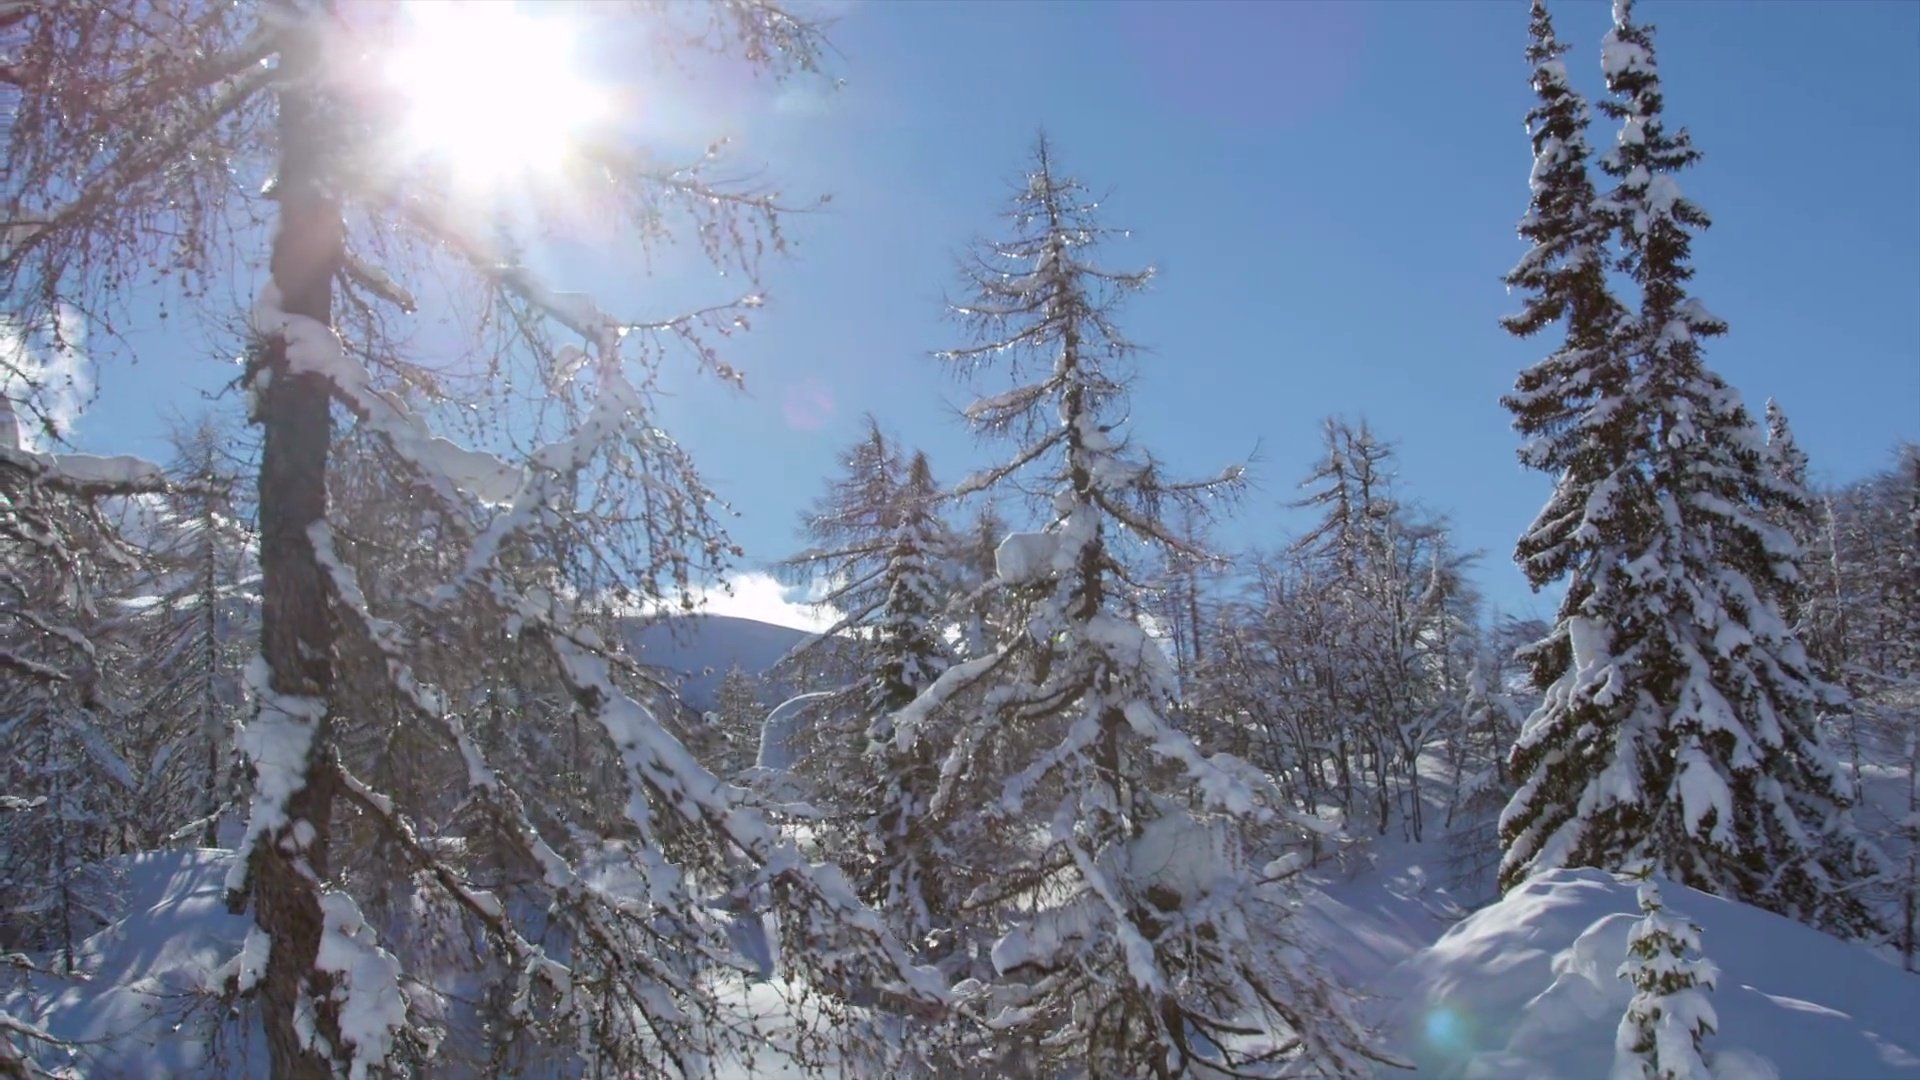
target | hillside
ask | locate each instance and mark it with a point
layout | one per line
(702, 647)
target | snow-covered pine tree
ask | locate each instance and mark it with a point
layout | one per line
(1784, 456)
(1660, 1037)
(1568, 407)
(568, 497)
(1135, 936)
(852, 532)
(1678, 725)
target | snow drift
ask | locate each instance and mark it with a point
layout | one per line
(1527, 987)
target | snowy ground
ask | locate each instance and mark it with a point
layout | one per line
(1526, 987)
(143, 1001)
(1523, 987)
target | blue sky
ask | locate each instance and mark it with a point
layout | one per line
(1329, 192)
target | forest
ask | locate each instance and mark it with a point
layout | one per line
(352, 739)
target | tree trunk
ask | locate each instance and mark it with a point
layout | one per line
(296, 632)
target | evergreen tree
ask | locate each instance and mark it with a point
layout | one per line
(738, 714)
(1133, 938)
(888, 559)
(907, 878)
(1568, 406)
(1785, 457)
(1800, 515)
(1669, 1017)
(1678, 724)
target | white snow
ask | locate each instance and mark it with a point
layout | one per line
(116, 471)
(1025, 558)
(1619, 57)
(781, 725)
(1528, 986)
(372, 1008)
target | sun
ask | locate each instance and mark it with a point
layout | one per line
(490, 92)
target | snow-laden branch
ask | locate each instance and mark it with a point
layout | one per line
(88, 475)
(445, 467)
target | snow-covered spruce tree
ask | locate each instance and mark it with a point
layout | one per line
(147, 188)
(1136, 934)
(847, 530)
(1678, 725)
(1660, 1035)
(885, 554)
(1801, 515)
(1569, 406)
(906, 877)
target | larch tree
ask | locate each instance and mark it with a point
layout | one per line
(1131, 927)
(70, 796)
(190, 619)
(1869, 618)
(149, 149)
(1678, 725)
(1393, 591)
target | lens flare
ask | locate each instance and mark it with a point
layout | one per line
(1446, 1031)
(490, 91)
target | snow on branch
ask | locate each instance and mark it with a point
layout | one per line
(372, 1007)
(88, 475)
(313, 347)
(277, 742)
(819, 898)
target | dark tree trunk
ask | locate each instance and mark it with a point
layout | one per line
(296, 633)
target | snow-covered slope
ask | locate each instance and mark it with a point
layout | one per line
(702, 647)
(1526, 987)
(144, 1003)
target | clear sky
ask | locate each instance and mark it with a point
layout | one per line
(1329, 192)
